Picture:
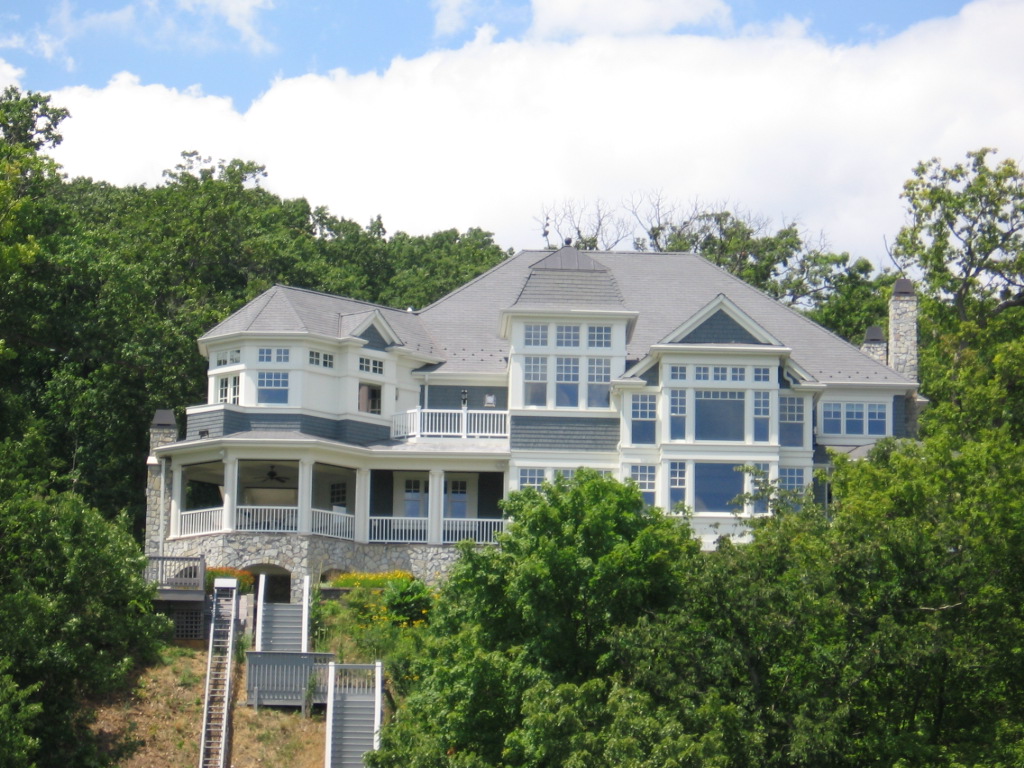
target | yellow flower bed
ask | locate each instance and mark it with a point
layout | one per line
(369, 580)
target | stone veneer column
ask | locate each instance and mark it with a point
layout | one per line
(903, 329)
(163, 430)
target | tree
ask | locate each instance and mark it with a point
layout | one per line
(76, 611)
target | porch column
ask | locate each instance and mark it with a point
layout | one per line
(230, 491)
(305, 496)
(362, 506)
(176, 500)
(435, 507)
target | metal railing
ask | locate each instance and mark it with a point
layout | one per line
(339, 525)
(177, 572)
(267, 519)
(398, 530)
(434, 422)
(279, 678)
(480, 530)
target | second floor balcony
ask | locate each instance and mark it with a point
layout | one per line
(436, 422)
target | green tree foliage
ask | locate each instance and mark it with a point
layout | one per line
(965, 236)
(76, 611)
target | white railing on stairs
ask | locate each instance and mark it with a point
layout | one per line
(215, 737)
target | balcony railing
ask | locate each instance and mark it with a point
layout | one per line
(338, 524)
(177, 573)
(433, 422)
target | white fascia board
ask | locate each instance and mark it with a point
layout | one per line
(894, 386)
(239, 337)
(455, 378)
(724, 350)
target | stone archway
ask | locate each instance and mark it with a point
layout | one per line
(279, 582)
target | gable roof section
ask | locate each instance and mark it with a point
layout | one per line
(284, 310)
(720, 322)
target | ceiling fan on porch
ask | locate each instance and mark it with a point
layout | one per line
(272, 475)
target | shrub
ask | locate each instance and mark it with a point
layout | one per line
(245, 578)
(369, 580)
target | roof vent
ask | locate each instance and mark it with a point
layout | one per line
(873, 335)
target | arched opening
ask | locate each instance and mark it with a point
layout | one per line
(278, 582)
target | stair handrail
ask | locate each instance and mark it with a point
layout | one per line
(305, 613)
(259, 611)
(232, 585)
(378, 703)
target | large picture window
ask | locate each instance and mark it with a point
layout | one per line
(716, 486)
(718, 415)
(854, 419)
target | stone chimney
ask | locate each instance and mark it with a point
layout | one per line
(875, 346)
(162, 431)
(903, 329)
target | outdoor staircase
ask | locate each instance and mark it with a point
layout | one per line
(353, 714)
(282, 627)
(215, 743)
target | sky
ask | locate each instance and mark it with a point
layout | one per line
(438, 114)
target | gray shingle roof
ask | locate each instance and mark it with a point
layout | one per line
(296, 310)
(664, 288)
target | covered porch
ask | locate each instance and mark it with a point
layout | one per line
(434, 506)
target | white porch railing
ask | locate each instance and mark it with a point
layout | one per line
(398, 530)
(197, 521)
(338, 525)
(267, 519)
(480, 530)
(433, 422)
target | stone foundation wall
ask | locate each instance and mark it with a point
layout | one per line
(312, 555)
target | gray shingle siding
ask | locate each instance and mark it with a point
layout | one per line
(373, 338)
(361, 433)
(719, 329)
(226, 423)
(448, 397)
(651, 376)
(570, 433)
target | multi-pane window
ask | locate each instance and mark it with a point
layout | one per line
(720, 373)
(676, 484)
(644, 475)
(762, 374)
(274, 355)
(877, 421)
(760, 500)
(644, 412)
(272, 387)
(702, 373)
(567, 382)
(531, 478)
(567, 335)
(677, 372)
(369, 365)
(415, 498)
(599, 336)
(535, 381)
(456, 498)
(314, 357)
(854, 419)
(228, 357)
(719, 415)
(535, 335)
(791, 421)
(227, 390)
(677, 414)
(565, 473)
(599, 377)
(324, 359)
(328, 360)
(762, 415)
(738, 373)
(339, 494)
(791, 478)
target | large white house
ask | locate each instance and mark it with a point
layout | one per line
(342, 435)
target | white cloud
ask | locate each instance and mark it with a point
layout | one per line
(778, 123)
(450, 15)
(557, 18)
(240, 15)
